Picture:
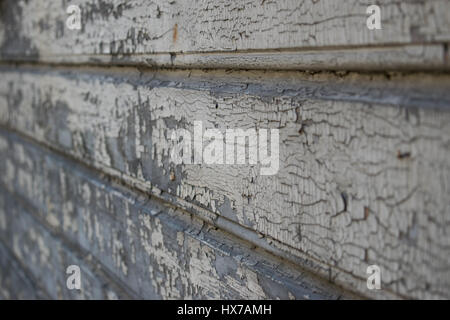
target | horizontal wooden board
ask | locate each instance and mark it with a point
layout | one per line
(363, 175)
(53, 208)
(15, 282)
(406, 58)
(161, 33)
(46, 258)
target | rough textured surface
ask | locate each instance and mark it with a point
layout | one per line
(155, 32)
(86, 176)
(14, 282)
(356, 185)
(155, 250)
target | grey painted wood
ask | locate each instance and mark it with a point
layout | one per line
(47, 257)
(414, 33)
(85, 121)
(15, 282)
(363, 173)
(147, 247)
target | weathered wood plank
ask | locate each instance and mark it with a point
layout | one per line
(154, 33)
(361, 180)
(411, 57)
(155, 250)
(15, 282)
(47, 257)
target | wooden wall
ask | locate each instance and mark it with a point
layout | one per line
(364, 148)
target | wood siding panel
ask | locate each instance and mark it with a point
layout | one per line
(187, 34)
(56, 213)
(356, 185)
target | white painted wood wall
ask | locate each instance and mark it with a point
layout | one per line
(86, 177)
